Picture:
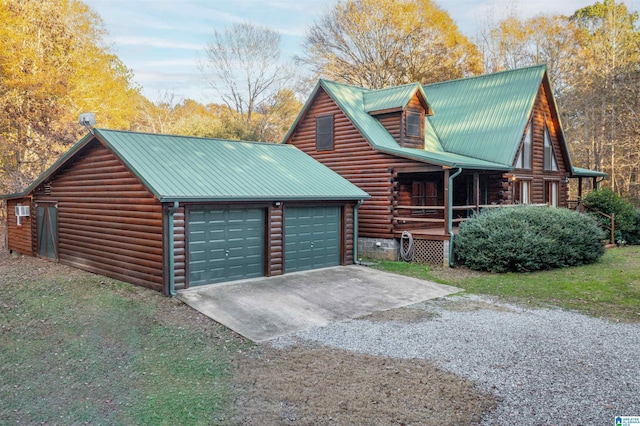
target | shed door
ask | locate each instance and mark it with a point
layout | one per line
(312, 238)
(225, 245)
(47, 231)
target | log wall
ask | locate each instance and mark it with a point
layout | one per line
(542, 115)
(20, 237)
(414, 107)
(357, 161)
(108, 222)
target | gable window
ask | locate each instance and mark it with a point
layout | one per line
(524, 155)
(413, 124)
(550, 162)
(324, 133)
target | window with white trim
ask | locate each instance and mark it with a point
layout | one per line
(524, 155)
(550, 162)
(552, 193)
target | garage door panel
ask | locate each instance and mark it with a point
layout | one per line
(225, 245)
(312, 238)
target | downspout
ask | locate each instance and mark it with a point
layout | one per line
(355, 231)
(450, 215)
(597, 182)
(171, 266)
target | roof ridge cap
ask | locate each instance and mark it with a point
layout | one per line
(324, 80)
(170, 135)
(415, 83)
(487, 75)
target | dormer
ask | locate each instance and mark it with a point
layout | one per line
(402, 111)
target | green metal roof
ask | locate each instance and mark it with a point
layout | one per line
(485, 116)
(179, 168)
(581, 172)
(351, 100)
(390, 98)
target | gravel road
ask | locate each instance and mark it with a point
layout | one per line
(546, 366)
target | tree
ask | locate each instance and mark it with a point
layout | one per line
(379, 43)
(53, 67)
(593, 58)
(246, 67)
(610, 41)
(514, 43)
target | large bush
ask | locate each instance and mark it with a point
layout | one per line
(627, 220)
(527, 238)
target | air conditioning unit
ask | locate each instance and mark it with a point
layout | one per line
(22, 211)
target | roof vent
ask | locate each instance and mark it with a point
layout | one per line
(88, 120)
(47, 188)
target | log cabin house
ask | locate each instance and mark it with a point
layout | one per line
(431, 155)
(170, 212)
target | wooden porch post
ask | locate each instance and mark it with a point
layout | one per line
(580, 188)
(476, 190)
(447, 207)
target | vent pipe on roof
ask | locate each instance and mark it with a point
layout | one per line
(88, 120)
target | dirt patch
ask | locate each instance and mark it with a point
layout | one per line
(319, 385)
(405, 315)
(457, 274)
(463, 304)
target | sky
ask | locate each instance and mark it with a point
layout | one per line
(163, 41)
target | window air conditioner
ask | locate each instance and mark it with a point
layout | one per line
(22, 211)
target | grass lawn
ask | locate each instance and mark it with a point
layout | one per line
(79, 348)
(609, 288)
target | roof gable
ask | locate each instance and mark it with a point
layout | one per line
(350, 99)
(179, 168)
(393, 98)
(485, 116)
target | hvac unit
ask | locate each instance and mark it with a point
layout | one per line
(21, 211)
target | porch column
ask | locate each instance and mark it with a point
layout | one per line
(476, 190)
(580, 188)
(447, 206)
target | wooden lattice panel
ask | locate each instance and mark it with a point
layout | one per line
(429, 251)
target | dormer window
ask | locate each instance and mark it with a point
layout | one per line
(524, 156)
(324, 133)
(414, 124)
(550, 162)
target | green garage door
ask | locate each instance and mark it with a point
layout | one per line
(225, 245)
(312, 238)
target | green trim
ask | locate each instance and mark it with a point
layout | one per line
(582, 172)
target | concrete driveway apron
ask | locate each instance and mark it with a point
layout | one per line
(266, 308)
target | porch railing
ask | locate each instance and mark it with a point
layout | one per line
(475, 208)
(441, 221)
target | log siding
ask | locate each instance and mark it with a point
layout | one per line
(108, 222)
(541, 117)
(19, 238)
(357, 161)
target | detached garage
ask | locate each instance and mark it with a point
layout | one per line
(171, 212)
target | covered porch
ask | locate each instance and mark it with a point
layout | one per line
(431, 204)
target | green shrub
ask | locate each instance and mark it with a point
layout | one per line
(527, 238)
(627, 220)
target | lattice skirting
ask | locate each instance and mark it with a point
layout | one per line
(427, 251)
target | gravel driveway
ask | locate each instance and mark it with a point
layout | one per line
(546, 366)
